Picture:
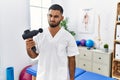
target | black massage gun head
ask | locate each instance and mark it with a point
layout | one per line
(40, 30)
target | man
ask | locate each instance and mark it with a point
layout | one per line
(56, 49)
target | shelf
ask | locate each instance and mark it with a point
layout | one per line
(116, 51)
(116, 74)
(116, 69)
(117, 41)
(116, 77)
(118, 60)
(117, 22)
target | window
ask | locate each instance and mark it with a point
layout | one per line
(38, 13)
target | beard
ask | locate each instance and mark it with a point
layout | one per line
(54, 25)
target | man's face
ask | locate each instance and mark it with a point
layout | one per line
(54, 18)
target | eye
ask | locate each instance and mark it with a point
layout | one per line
(49, 15)
(56, 16)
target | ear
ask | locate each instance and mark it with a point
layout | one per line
(62, 18)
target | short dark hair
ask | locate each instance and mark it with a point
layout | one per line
(56, 7)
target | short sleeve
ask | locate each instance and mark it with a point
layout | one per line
(72, 48)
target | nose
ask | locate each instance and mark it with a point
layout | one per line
(52, 19)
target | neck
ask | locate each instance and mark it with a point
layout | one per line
(54, 30)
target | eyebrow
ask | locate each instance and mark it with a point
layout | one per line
(53, 16)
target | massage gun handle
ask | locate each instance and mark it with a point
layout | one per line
(34, 49)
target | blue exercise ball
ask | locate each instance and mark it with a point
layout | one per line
(89, 43)
(78, 42)
(83, 41)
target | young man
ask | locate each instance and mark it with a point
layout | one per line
(56, 49)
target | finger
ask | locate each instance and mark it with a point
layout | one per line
(29, 39)
(30, 43)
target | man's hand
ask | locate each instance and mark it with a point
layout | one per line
(29, 43)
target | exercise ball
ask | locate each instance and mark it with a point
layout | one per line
(89, 43)
(83, 41)
(78, 42)
(24, 75)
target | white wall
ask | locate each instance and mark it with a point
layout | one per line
(14, 17)
(106, 9)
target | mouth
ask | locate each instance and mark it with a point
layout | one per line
(52, 21)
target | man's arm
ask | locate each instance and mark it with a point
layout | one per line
(72, 65)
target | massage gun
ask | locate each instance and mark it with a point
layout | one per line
(29, 34)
